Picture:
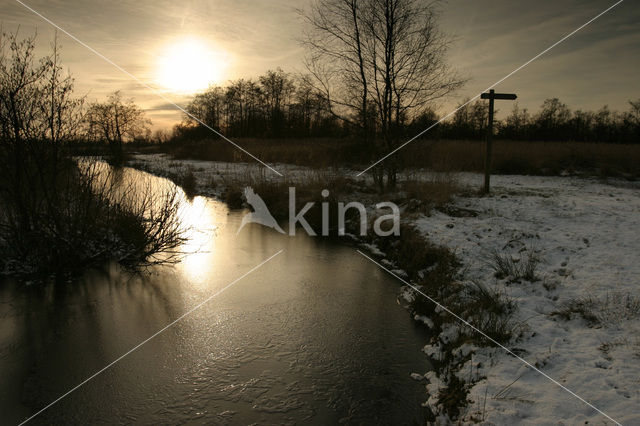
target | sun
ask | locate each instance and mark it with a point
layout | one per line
(190, 65)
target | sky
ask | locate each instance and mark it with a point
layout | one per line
(244, 38)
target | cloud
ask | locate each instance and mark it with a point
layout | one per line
(163, 107)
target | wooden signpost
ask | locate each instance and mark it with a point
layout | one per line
(492, 96)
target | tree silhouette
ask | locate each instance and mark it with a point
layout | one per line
(388, 51)
(116, 121)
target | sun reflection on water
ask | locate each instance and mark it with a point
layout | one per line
(202, 219)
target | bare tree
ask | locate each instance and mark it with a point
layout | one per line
(388, 52)
(336, 57)
(21, 78)
(116, 121)
(277, 89)
(208, 107)
(273, 105)
(633, 116)
(37, 113)
(55, 216)
(35, 96)
(62, 113)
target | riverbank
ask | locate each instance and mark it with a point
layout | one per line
(69, 216)
(578, 309)
(543, 266)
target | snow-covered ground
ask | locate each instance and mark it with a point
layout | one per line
(586, 234)
(213, 176)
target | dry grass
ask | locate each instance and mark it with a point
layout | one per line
(435, 191)
(435, 269)
(610, 310)
(275, 194)
(510, 157)
(513, 268)
(518, 157)
(316, 153)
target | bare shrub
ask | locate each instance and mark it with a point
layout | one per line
(56, 215)
(90, 214)
(147, 219)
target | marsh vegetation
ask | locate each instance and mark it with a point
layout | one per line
(60, 215)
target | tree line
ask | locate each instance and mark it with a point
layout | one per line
(279, 104)
(275, 105)
(553, 122)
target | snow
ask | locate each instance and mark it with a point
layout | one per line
(212, 177)
(417, 377)
(586, 233)
(373, 249)
(425, 320)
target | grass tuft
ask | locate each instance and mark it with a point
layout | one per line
(513, 268)
(608, 311)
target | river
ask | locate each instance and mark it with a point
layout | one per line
(314, 336)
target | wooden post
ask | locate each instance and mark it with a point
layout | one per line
(488, 157)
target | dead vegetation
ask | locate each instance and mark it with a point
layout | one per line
(89, 215)
(308, 189)
(514, 268)
(315, 153)
(436, 191)
(188, 182)
(510, 157)
(435, 270)
(527, 158)
(611, 310)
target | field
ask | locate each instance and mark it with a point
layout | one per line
(510, 157)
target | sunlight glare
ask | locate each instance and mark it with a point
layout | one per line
(190, 65)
